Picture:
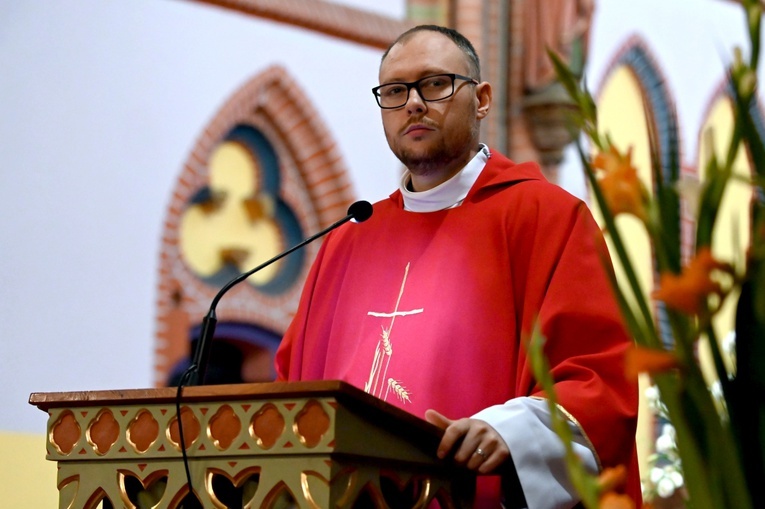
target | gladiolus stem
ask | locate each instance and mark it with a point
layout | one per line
(651, 336)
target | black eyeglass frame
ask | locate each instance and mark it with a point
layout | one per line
(416, 85)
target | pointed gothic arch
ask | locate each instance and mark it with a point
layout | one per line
(658, 100)
(641, 72)
(299, 186)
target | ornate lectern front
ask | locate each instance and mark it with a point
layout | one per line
(308, 445)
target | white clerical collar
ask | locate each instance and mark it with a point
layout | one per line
(448, 194)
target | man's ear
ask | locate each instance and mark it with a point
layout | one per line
(483, 95)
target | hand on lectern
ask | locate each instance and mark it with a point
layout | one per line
(472, 443)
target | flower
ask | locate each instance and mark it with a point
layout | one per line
(608, 481)
(613, 500)
(688, 291)
(665, 443)
(622, 189)
(611, 478)
(712, 453)
(648, 360)
(655, 404)
(667, 480)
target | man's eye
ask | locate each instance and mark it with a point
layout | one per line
(393, 91)
(437, 82)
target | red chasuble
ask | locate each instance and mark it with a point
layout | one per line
(431, 310)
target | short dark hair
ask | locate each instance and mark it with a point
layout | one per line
(457, 38)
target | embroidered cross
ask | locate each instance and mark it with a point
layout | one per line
(377, 384)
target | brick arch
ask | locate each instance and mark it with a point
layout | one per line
(662, 112)
(662, 119)
(315, 186)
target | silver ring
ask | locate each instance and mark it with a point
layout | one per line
(481, 453)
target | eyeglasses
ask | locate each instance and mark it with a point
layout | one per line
(431, 88)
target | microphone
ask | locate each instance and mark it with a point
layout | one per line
(359, 212)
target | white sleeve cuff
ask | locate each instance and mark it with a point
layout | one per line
(537, 451)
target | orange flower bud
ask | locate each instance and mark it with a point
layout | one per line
(687, 292)
(621, 187)
(612, 478)
(608, 482)
(613, 500)
(648, 360)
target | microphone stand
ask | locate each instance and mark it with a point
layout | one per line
(195, 374)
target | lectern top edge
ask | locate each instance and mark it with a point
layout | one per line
(348, 394)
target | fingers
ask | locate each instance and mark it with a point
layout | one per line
(438, 419)
(473, 444)
(485, 460)
(451, 435)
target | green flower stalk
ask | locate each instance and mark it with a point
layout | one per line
(721, 444)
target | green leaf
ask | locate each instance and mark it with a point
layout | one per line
(584, 483)
(745, 125)
(709, 202)
(666, 224)
(646, 328)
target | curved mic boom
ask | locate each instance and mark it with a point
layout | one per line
(359, 212)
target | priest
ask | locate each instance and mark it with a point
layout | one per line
(429, 304)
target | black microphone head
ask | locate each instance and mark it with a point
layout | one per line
(360, 210)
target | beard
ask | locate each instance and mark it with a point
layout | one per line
(440, 156)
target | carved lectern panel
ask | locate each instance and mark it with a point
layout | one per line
(311, 445)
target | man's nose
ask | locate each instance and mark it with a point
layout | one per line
(415, 103)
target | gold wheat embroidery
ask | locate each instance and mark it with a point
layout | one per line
(376, 384)
(387, 347)
(399, 390)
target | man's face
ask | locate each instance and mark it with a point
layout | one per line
(431, 137)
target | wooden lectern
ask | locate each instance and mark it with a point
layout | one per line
(308, 445)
